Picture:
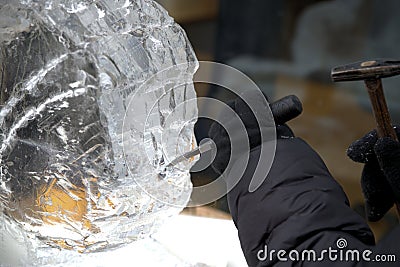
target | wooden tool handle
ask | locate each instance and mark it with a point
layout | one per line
(384, 126)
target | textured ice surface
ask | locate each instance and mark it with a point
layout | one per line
(88, 117)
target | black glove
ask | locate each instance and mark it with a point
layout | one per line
(220, 136)
(380, 179)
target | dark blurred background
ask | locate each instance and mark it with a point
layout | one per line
(289, 47)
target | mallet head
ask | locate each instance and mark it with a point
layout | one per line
(366, 70)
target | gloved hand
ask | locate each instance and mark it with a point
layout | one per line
(220, 136)
(380, 179)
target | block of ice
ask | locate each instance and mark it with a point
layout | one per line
(93, 104)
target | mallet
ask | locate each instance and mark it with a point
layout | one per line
(371, 72)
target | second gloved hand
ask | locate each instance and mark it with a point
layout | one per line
(380, 179)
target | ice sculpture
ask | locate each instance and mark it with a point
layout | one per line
(91, 93)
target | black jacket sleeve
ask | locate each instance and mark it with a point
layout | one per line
(300, 207)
